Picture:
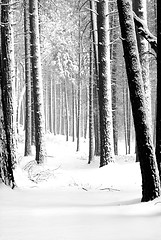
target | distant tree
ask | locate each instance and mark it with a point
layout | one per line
(91, 113)
(7, 90)
(37, 82)
(146, 153)
(105, 102)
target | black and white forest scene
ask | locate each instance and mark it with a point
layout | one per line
(80, 119)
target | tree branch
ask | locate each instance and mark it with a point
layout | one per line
(144, 32)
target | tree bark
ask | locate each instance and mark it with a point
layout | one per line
(27, 80)
(91, 114)
(144, 31)
(79, 87)
(158, 107)
(94, 33)
(7, 88)
(148, 165)
(113, 36)
(37, 83)
(140, 8)
(105, 104)
(73, 112)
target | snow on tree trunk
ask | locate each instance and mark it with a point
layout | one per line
(73, 112)
(94, 33)
(140, 8)
(158, 113)
(37, 82)
(91, 114)
(79, 87)
(7, 88)
(113, 36)
(27, 80)
(146, 153)
(105, 103)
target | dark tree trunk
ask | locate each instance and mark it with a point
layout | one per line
(125, 116)
(32, 112)
(66, 109)
(113, 36)
(95, 78)
(7, 90)
(62, 111)
(94, 33)
(158, 113)
(140, 8)
(27, 80)
(96, 119)
(54, 106)
(149, 171)
(105, 104)
(37, 83)
(73, 112)
(79, 88)
(91, 115)
(6, 168)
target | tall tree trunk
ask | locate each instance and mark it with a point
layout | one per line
(51, 104)
(128, 120)
(73, 112)
(91, 114)
(62, 110)
(79, 87)
(113, 36)
(158, 113)
(7, 88)
(58, 119)
(149, 171)
(6, 168)
(125, 116)
(27, 80)
(96, 118)
(105, 104)
(37, 82)
(66, 110)
(32, 110)
(94, 33)
(86, 113)
(54, 107)
(140, 8)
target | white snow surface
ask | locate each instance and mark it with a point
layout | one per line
(68, 199)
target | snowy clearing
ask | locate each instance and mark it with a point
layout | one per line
(67, 199)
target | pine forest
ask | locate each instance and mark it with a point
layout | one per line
(80, 119)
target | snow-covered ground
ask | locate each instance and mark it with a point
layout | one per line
(68, 199)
